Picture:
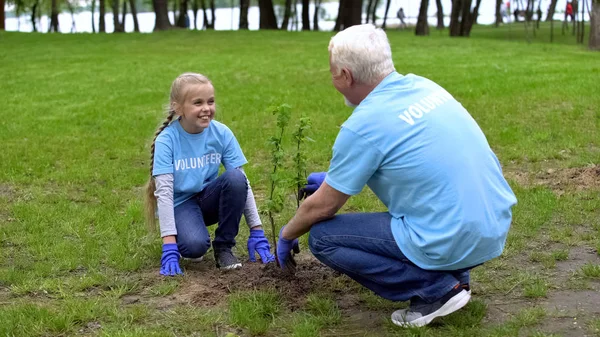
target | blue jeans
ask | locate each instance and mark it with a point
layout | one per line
(223, 202)
(361, 245)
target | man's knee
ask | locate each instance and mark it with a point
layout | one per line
(193, 248)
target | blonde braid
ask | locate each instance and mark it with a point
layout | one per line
(150, 198)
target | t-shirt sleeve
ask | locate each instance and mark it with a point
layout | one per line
(353, 163)
(163, 157)
(233, 157)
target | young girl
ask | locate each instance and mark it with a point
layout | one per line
(184, 185)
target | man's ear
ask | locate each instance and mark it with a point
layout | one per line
(347, 75)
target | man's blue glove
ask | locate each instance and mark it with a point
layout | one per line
(258, 243)
(314, 181)
(170, 260)
(284, 252)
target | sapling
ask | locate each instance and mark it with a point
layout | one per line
(300, 158)
(275, 201)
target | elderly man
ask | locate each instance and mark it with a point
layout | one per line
(427, 160)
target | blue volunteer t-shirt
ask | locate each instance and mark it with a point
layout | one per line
(428, 161)
(194, 159)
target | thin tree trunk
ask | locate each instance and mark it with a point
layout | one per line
(101, 19)
(2, 16)
(472, 18)
(33, 15)
(267, 15)
(350, 13)
(161, 11)
(440, 14)
(422, 28)
(136, 24)
(286, 15)
(582, 21)
(499, 19)
(305, 15)
(551, 10)
(373, 12)
(594, 43)
(115, 9)
(213, 14)
(340, 16)
(206, 24)
(123, 14)
(195, 11)
(244, 4)
(369, 5)
(174, 9)
(295, 22)
(93, 21)
(387, 10)
(54, 16)
(316, 15)
(455, 17)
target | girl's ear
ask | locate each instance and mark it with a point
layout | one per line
(175, 107)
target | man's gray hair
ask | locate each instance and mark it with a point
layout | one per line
(364, 50)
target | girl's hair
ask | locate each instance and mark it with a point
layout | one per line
(179, 90)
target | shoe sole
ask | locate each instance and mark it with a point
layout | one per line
(194, 260)
(231, 266)
(455, 303)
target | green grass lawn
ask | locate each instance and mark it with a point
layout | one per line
(78, 113)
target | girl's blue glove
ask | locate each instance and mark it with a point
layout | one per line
(314, 181)
(284, 252)
(258, 243)
(170, 260)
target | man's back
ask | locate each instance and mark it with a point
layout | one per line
(437, 175)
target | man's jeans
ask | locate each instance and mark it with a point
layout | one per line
(222, 201)
(361, 245)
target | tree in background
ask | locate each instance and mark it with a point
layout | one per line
(244, 4)
(161, 21)
(102, 20)
(422, 27)
(462, 18)
(305, 16)
(387, 10)
(2, 15)
(267, 15)
(594, 43)
(551, 10)
(316, 15)
(440, 14)
(349, 14)
(54, 16)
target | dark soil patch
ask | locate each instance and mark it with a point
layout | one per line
(560, 180)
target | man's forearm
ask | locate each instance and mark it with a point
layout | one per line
(309, 213)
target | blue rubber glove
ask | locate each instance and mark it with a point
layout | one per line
(284, 252)
(314, 181)
(170, 260)
(258, 243)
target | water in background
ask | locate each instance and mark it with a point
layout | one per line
(228, 19)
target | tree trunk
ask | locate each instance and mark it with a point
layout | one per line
(206, 24)
(551, 10)
(286, 15)
(349, 14)
(2, 15)
(461, 17)
(161, 11)
(116, 23)
(182, 19)
(54, 16)
(594, 43)
(244, 4)
(369, 5)
(33, 15)
(174, 12)
(195, 11)
(295, 16)
(440, 14)
(499, 12)
(305, 15)
(101, 19)
(472, 19)
(123, 14)
(373, 12)
(136, 24)
(267, 15)
(93, 10)
(340, 16)
(387, 10)
(422, 28)
(316, 15)
(213, 14)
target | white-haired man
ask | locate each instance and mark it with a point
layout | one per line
(427, 160)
